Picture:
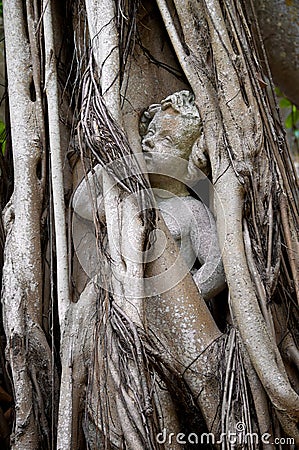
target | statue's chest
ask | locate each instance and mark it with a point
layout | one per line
(177, 217)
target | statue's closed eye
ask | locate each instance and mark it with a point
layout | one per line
(168, 139)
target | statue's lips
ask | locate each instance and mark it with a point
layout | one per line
(147, 153)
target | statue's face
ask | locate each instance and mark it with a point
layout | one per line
(170, 132)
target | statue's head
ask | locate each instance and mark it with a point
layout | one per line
(172, 126)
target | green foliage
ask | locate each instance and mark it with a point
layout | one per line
(292, 119)
(2, 137)
(1, 8)
(285, 103)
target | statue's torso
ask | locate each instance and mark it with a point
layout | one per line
(180, 214)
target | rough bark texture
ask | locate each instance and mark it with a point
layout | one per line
(28, 352)
(133, 360)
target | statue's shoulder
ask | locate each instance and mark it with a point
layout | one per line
(86, 195)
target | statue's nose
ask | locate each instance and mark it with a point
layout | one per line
(148, 143)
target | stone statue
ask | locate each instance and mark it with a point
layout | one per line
(169, 131)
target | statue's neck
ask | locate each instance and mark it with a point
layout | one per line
(166, 187)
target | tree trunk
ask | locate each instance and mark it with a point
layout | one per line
(28, 352)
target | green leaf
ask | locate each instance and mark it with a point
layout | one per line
(292, 118)
(2, 137)
(289, 121)
(278, 92)
(295, 114)
(285, 103)
(2, 128)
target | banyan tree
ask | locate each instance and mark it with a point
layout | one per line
(149, 228)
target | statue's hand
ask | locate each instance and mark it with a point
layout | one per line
(210, 278)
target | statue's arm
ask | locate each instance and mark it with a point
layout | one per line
(210, 278)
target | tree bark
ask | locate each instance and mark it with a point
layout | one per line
(28, 352)
(135, 358)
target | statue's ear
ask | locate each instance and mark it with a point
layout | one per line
(146, 117)
(143, 123)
